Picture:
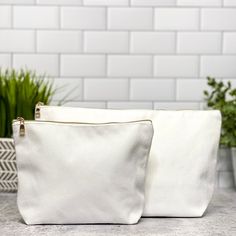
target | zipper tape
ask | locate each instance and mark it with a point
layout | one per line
(22, 123)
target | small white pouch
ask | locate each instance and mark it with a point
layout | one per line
(182, 163)
(71, 173)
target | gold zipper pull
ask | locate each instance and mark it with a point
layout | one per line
(22, 126)
(37, 110)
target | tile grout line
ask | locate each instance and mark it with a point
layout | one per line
(59, 54)
(125, 54)
(82, 89)
(153, 56)
(77, 5)
(176, 54)
(199, 56)
(12, 26)
(106, 54)
(122, 30)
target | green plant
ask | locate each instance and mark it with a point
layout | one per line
(19, 93)
(223, 97)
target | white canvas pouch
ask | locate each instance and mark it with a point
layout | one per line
(71, 173)
(181, 167)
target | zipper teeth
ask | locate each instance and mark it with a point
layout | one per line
(83, 123)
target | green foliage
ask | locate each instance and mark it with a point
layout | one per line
(19, 93)
(223, 97)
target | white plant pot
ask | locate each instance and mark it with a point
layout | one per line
(8, 170)
(224, 162)
(233, 154)
(225, 177)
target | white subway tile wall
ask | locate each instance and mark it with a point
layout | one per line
(129, 66)
(199, 43)
(148, 54)
(229, 46)
(83, 65)
(5, 61)
(199, 3)
(83, 18)
(120, 18)
(123, 53)
(106, 42)
(17, 41)
(190, 89)
(219, 19)
(36, 17)
(59, 41)
(5, 17)
(174, 66)
(177, 18)
(220, 66)
(106, 89)
(159, 89)
(23, 2)
(106, 2)
(152, 43)
(39, 62)
(153, 3)
(59, 2)
(229, 3)
(74, 85)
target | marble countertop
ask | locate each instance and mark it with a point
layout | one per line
(220, 219)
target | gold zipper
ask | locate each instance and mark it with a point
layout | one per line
(22, 123)
(22, 126)
(37, 110)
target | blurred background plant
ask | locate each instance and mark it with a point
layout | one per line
(20, 91)
(223, 97)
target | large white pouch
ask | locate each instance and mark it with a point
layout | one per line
(71, 173)
(181, 167)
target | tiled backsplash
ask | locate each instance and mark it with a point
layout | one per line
(123, 53)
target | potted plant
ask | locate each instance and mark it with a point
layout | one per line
(20, 91)
(223, 97)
